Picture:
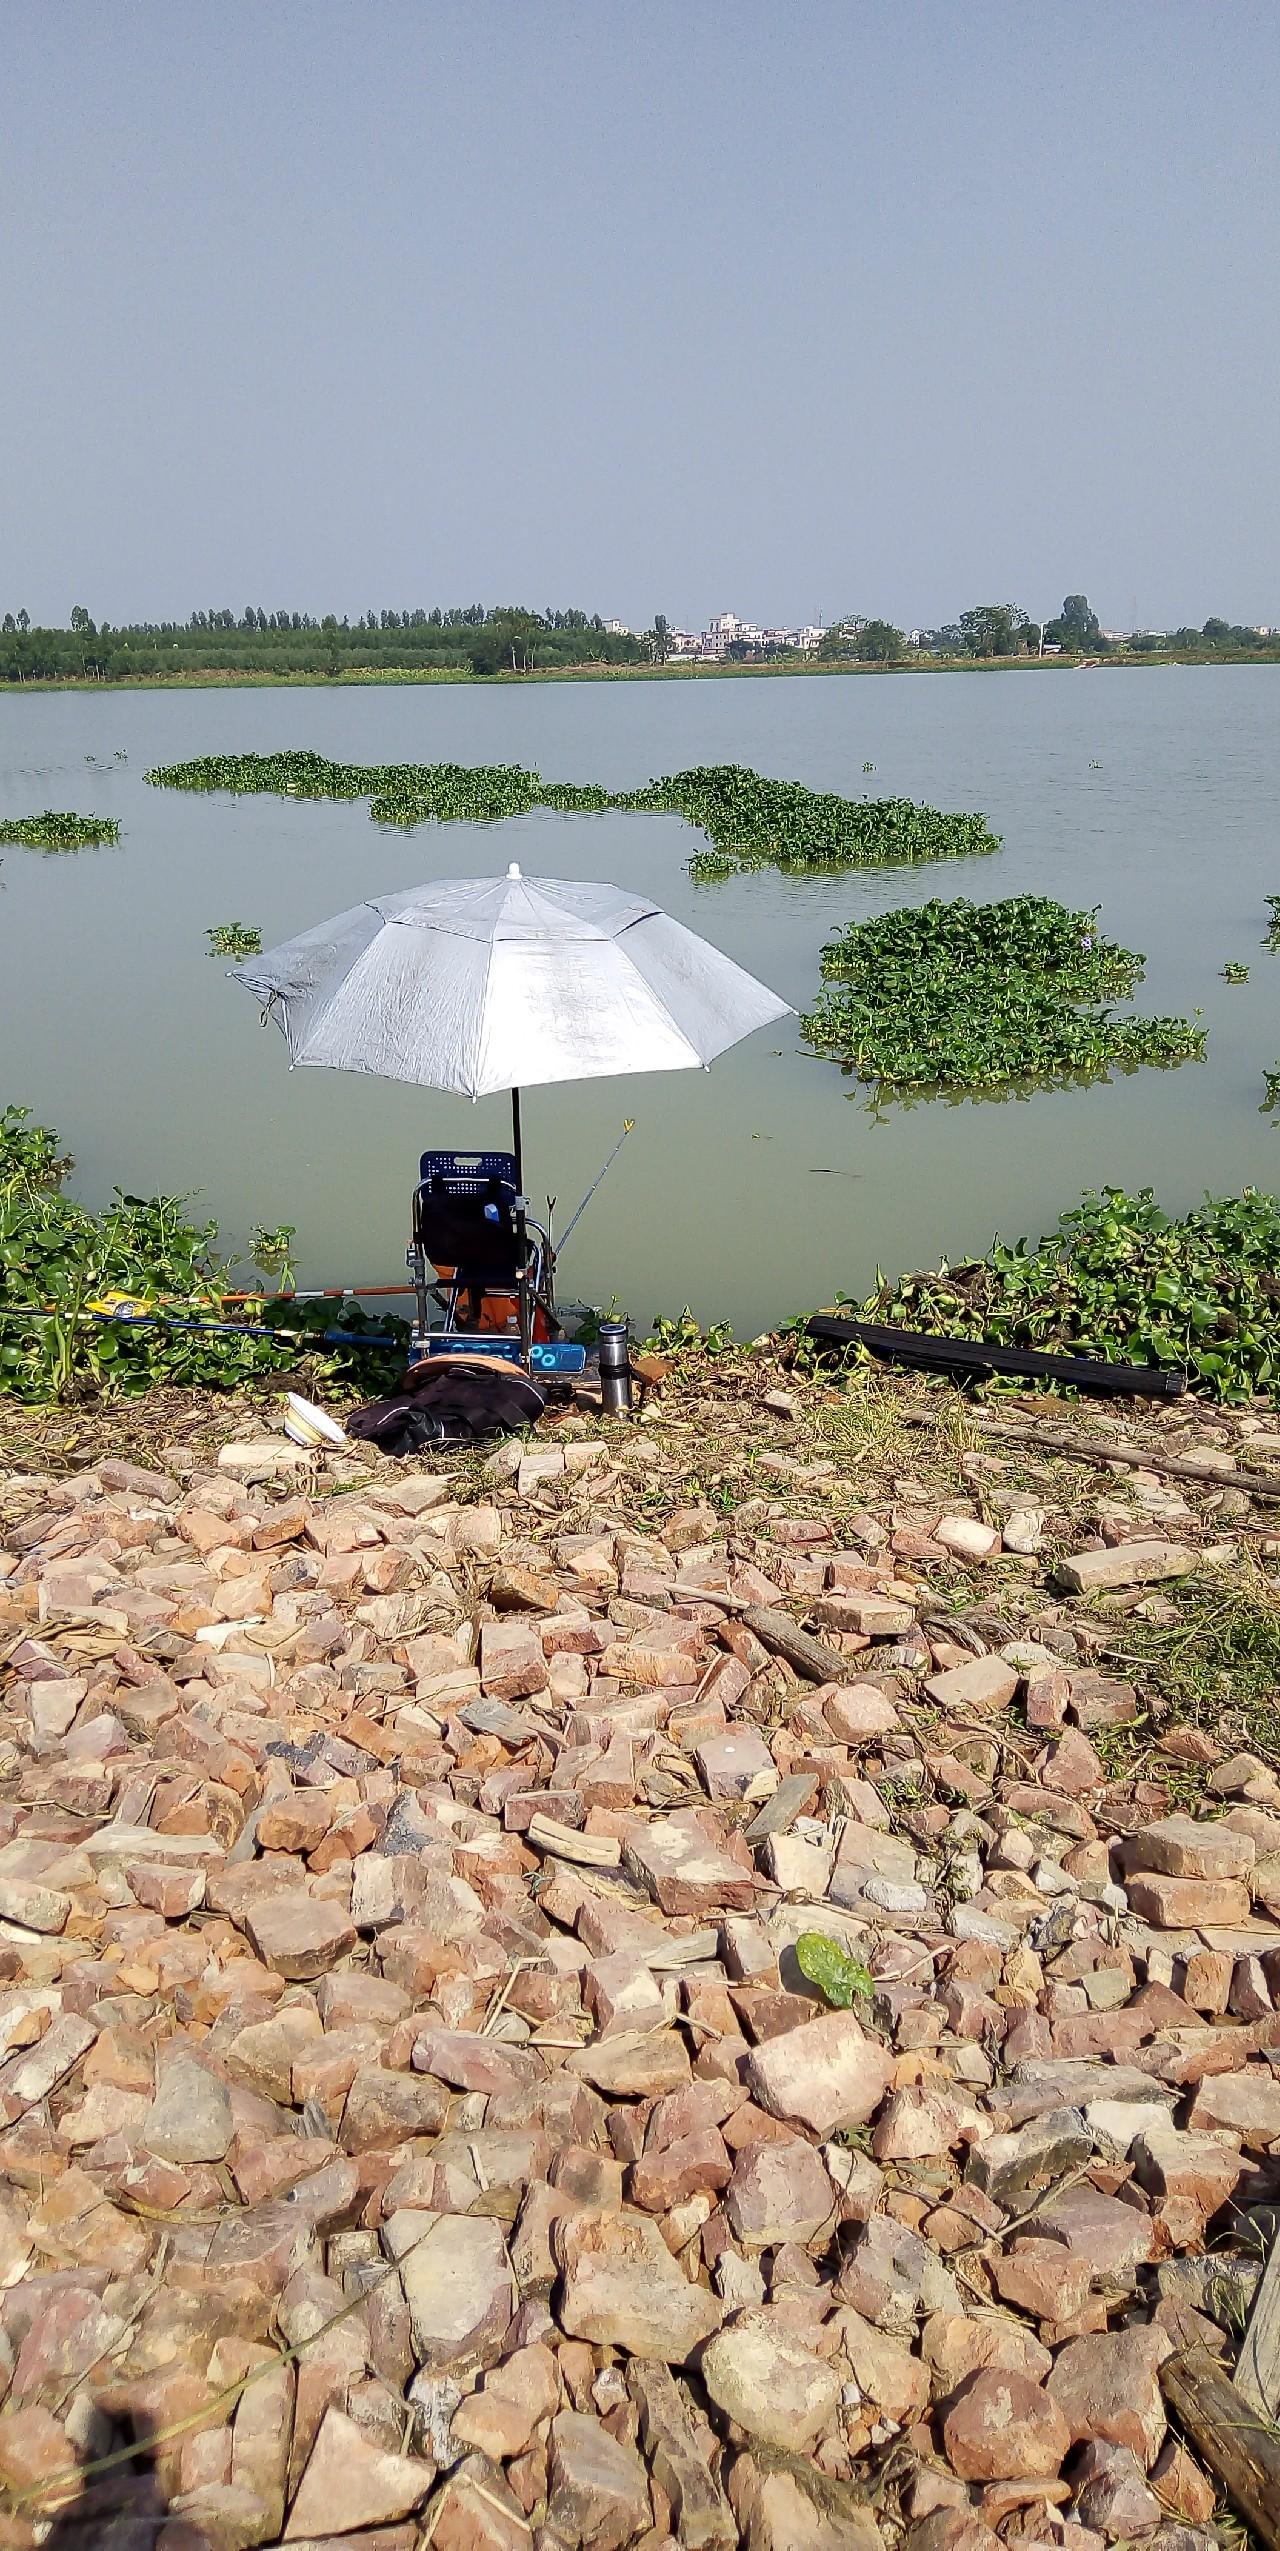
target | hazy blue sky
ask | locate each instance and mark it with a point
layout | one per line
(686, 305)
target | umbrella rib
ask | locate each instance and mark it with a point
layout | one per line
(655, 996)
(484, 1011)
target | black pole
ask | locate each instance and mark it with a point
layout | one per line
(516, 1143)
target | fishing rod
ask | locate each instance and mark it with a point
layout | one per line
(215, 1328)
(313, 1293)
(628, 1127)
(322, 1293)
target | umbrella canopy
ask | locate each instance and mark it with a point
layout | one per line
(482, 983)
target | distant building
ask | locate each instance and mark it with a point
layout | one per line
(727, 631)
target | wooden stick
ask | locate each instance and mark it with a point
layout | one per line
(1095, 1448)
(775, 1630)
(1257, 2375)
(590, 1851)
(1238, 2445)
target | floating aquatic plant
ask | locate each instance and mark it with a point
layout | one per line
(1272, 939)
(234, 939)
(1271, 1087)
(980, 997)
(758, 822)
(1234, 972)
(271, 1249)
(54, 831)
(749, 820)
(1123, 1280)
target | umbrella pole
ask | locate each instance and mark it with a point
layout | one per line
(516, 1144)
(524, 1302)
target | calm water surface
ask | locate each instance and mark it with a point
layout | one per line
(753, 1191)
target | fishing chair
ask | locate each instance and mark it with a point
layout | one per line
(493, 1269)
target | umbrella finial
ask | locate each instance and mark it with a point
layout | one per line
(514, 869)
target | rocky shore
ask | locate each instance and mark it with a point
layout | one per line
(416, 2123)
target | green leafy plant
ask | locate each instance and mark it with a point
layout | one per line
(234, 939)
(1234, 972)
(759, 822)
(53, 831)
(976, 997)
(684, 1336)
(749, 821)
(841, 1978)
(100, 1302)
(271, 1249)
(1270, 1089)
(1272, 939)
(1122, 1279)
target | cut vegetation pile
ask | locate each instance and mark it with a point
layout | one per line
(978, 997)
(1130, 1283)
(749, 821)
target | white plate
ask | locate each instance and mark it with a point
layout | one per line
(307, 1424)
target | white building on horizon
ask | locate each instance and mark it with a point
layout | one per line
(727, 631)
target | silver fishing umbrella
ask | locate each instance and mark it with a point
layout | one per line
(486, 983)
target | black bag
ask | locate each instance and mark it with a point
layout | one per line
(455, 1400)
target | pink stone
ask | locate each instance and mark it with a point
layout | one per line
(1001, 2426)
(825, 2076)
(1108, 2387)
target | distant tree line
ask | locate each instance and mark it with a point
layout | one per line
(505, 638)
(474, 638)
(992, 629)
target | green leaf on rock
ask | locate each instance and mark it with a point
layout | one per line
(840, 1977)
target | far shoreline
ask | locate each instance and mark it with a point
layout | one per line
(433, 676)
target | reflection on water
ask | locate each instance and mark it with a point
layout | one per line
(754, 1191)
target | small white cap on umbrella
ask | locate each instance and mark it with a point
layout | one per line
(514, 869)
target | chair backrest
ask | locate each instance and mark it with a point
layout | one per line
(464, 1214)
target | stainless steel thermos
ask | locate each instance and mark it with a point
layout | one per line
(615, 1369)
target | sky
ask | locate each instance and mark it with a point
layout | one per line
(889, 306)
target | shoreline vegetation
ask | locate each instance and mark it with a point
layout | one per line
(87, 1299)
(508, 643)
(358, 677)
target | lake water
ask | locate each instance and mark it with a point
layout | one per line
(754, 1191)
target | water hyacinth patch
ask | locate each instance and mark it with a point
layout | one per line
(978, 997)
(54, 831)
(759, 822)
(749, 820)
(1121, 1279)
(234, 939)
